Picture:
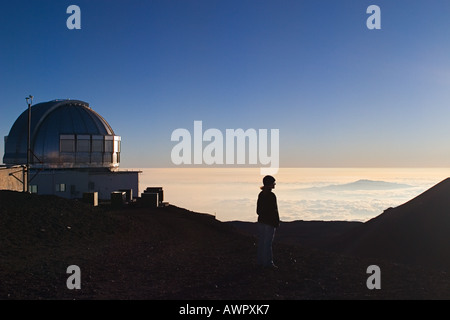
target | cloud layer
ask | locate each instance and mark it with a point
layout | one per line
(231, 195)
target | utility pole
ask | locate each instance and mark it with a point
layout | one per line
(29, 100)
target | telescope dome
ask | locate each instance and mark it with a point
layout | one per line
(64, 134)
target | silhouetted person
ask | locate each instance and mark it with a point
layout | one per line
(268, 221)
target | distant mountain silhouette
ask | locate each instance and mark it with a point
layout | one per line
(362, 184)
(417, 232)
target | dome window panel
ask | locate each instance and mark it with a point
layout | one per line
(109, 144)
(67, 143)
(83, 143)
(107, 158)
(96, 158)
(97, 143)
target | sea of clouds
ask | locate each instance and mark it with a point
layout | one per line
(319, 203)
(232, 195)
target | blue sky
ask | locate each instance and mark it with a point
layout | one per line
(340, 94)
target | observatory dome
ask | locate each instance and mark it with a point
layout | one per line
(64, 134)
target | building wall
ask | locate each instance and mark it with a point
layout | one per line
(73, 183)
(7, 180)
(105, 183)
(67, 183)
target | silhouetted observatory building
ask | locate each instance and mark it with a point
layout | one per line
(74, 150)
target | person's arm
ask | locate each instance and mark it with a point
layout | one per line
(277, 214)
(258, 205)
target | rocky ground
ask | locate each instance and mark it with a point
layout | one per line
(170, 253)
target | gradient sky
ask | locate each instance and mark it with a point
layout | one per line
(340, 94)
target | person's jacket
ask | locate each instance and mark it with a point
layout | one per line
(267, 209)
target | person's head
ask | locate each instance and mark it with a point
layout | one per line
(268, 183)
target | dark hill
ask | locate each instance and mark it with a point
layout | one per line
(172, 253)
(417, 232)
(314, 234)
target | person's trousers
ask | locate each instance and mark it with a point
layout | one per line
(266, 234)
